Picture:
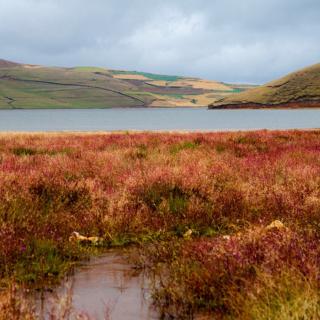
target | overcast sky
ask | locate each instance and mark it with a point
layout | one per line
(228, 40)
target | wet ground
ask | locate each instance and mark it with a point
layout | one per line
(106, 287)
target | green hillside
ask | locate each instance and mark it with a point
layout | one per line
(300, 89)
(24, 86)
(33, 86)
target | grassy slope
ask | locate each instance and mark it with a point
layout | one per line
(28, 86)
(61, 87)
(295, 89)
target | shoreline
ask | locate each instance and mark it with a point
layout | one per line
(107, 108)
(294, 105)
(221, 107)
(132, 132)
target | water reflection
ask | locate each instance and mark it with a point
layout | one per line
(105, 288)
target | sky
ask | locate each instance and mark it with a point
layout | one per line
(249, 41)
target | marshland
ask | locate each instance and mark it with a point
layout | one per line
(224, 225)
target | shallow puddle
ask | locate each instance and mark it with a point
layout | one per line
(106, 287)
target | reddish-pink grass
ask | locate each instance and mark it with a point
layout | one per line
(146, 186)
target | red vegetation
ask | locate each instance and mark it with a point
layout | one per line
(135, 187)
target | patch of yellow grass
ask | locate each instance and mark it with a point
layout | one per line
(31, 66)
(203, 84)
(175, 102)
(288, 297)
(202, 99)
(162, 103)
(193, 83)
(130, 77)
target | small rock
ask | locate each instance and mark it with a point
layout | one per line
(77, 237)
(276, 224)
(187, 234)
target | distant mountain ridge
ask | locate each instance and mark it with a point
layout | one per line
(5, 63)
(35, 86)
(300, 89)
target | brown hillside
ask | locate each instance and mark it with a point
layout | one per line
(7, 64)
(300, 89)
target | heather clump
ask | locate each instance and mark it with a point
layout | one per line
(226, 274)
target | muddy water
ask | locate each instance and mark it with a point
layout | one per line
(104, 288)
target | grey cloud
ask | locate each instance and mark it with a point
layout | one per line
(236, 41)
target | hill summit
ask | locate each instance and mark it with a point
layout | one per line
(7, 64)
(300, 89)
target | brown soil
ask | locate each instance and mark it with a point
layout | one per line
(287, 105)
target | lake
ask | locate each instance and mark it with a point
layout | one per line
(156, 119)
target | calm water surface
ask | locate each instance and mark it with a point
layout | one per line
(156, 119)
(104, 288)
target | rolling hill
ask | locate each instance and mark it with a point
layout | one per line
(300, 89)
(34, 86)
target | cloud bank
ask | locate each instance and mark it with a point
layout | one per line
(231, 40)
